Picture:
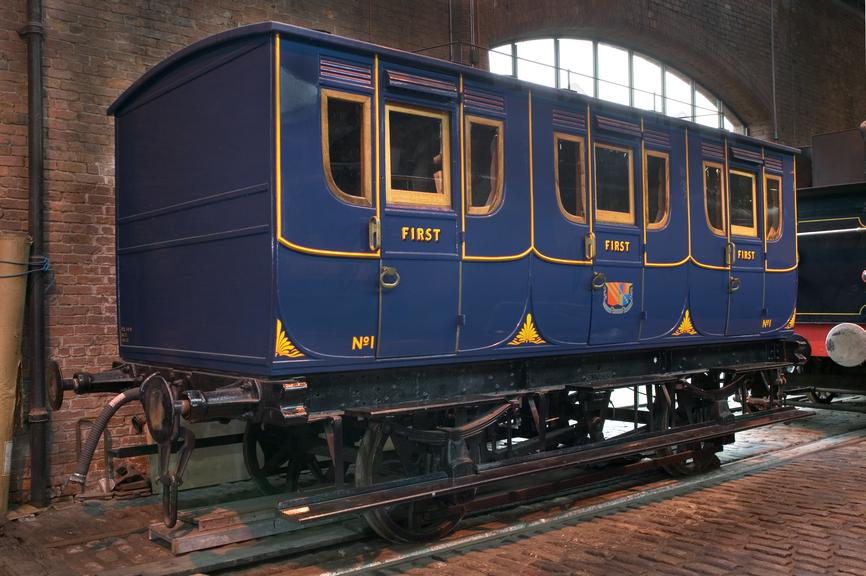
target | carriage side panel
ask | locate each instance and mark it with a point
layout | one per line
(194, 268)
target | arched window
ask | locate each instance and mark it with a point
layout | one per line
(615, 74)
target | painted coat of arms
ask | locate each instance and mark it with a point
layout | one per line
(618, 297)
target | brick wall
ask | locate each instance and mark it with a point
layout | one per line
(96, 48)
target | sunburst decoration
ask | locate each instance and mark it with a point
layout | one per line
(686, 328)
(528, 334)
(792, 321)
(284, 346)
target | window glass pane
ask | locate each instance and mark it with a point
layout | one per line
(500, 60)
(613, 185)
(774, 209)
(535, 61)
(714, 198)
(613, 73)
(415, 152)
(569, 177)
(706, 109)
(484, 166)
(742, 204)
(345, 133)
(576, 66)
(647, 83)
(678, 96)
(657, 189)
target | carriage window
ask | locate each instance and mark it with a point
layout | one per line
(568, 152)
(483, 165)
(714, 197)
(346, 145)
(614, 184)
(744, 220)
(416, 142)
(657, 189)
(773, 207)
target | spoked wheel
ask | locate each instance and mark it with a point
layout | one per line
(820, 396)
(385, 457)
(271, 458)
(687, 410)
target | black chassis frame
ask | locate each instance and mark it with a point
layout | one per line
(326, 395)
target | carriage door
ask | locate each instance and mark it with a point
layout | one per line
(419, 275)
(617, 269)
(746, 310)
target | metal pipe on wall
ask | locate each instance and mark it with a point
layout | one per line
(773, 66)
(34, 32)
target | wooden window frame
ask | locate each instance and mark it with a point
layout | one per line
(436, 200)
(723, 230)
(612, 216)
(747, 231)
(767, 237)
(495, 199)
(557, 136)
(366, 185)
(667, 216)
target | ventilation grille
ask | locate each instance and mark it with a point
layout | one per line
(421, 84)
(569, 120)
(772, 163)
(710, 150)
(345, 72)
(747, 155)
(657, 138)
(621, 126)
(483, 101)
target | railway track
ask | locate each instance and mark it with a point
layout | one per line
(516, 511)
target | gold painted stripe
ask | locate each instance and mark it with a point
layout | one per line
(463, 203)
(279, 175)
(531, 178)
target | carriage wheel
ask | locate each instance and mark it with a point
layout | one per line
(820, 396)
(383, 457)
(271, 458)
(687, 411)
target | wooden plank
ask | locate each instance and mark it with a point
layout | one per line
(245, 554)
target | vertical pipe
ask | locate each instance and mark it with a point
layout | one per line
(451, 30)
(38, 414)
(773, 66)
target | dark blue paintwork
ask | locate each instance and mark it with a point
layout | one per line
(207, 271)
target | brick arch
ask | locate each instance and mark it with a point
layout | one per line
(737, 72)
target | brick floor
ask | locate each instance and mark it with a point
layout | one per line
(780, 521)
(805, 517)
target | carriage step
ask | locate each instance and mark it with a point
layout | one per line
(326, 506)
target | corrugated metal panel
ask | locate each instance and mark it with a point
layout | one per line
(347, 73)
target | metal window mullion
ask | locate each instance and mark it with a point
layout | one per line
(556, 62)
(664, 69)
(694, 100)
(595, 69)
(631, 78)
(514, 59)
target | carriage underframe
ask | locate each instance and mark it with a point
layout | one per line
(354, 444)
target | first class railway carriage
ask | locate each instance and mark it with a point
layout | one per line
(441, 272)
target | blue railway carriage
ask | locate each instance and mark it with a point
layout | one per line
(442, 272)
